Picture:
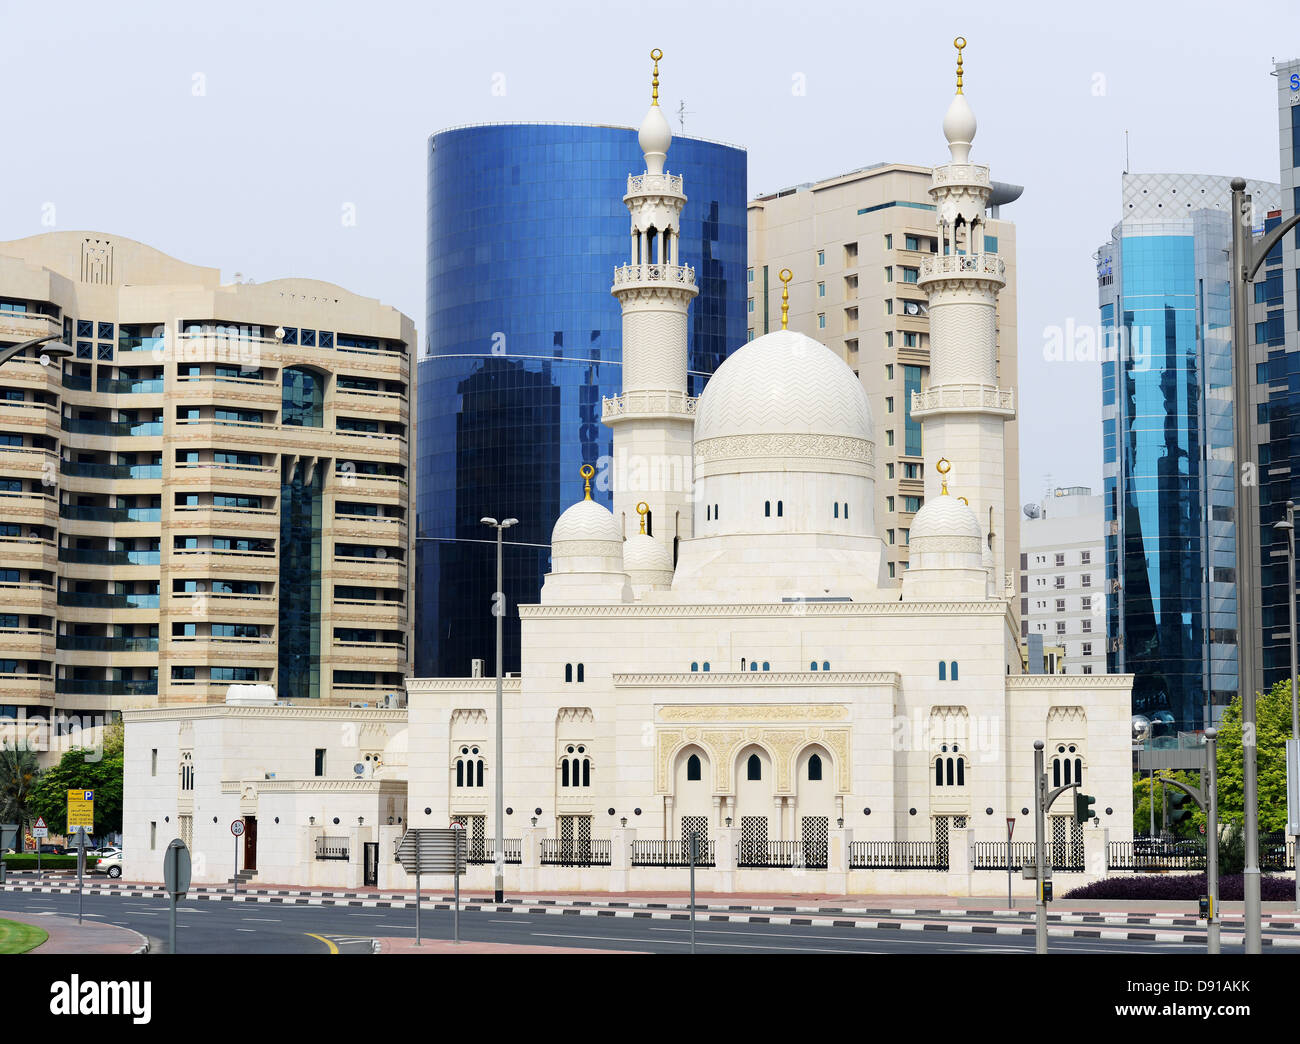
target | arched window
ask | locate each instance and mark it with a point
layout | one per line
(693, 768)
(767, 509)
(586, 772)
(938, 772)
(580, 677)
(961, 772)
(743, 662)
(826, 665)
(815, 768)
(715, 512)
(695, 665)
(706, 665)
(949, 766)
(649, 529)
(564, 772)
(754, 768)
(837, 509)
(954, 670)
(766, 666)
(1056, 772)
(943, 671)
(1078, 770)
(708, 512)
(479, 781)
(460, 773)
(568, 672)
(780, 508)
(813, 665)
(846, 511)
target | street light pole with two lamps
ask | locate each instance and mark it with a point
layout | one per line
(499, 611)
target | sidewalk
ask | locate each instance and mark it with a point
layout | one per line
(66, 936)
(446, 946)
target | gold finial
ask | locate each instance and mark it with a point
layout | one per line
(964, 500)
(943, 467)
(586, 471)
(785, 275)
(643, 509)
(959, 43)
(656, 54)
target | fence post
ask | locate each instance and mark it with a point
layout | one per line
(959, 861)
(530, 857)
(724, 855)
(620, 857)
(837, 859)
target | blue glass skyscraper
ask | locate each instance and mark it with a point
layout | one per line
(1171, 583)
(526, 226)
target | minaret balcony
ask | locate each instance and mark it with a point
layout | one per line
(962, 174)
(983, 266)
(642, 404)
(654, 275)
(658, 184)
(965, 398)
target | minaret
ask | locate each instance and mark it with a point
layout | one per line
(654, 418)
(964, 410)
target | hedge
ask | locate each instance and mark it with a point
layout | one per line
(1188, 887)
(27, 861)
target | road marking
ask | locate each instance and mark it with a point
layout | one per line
(333, 948)
(409, 928)
(686, 942)
(245, 929)
(273, 920)
(494, 920)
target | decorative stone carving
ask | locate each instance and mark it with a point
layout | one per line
(792, 712)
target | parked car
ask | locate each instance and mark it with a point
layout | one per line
(110, 864)
(53, 850)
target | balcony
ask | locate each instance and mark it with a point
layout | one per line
(987, 266)
(33, 509)
(25, 643)
(88, 513)
(101, 600)
(358, 357)
(654, 275)
(965, 398)
(28, 553)
(647, 404)
(111, 429)
(24, 326)
(107, 686)
(14, 687)
(28, 597)
(27, 461)
(109, 557)
(104, 643)
(116, 472)
(151, 386)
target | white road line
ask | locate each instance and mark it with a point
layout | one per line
(245, 929)
(687, 942)
(274, 920)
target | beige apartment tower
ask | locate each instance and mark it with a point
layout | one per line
(855, 246)
(212, 490)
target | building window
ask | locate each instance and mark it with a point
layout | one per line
(889, 343)
(1059, 583)
(580, 673)
(469, 768)
(891, 570)
(749, 275)
(821, 320)
(1085, 557)
(1060, 560)
(889, 469)
(889, 273)
(575, 767)
(1086, 602)
(153, 836)
(320, 761)
(837, 510)
(889, 241)
(889, 367)
(568, 672)
(1087, 627)
(953, 668)
(706, 665)
(821, 289)
(889, 437)
(912, 503)
(695, 665)
(821, 257)
(812, 665)
(890, 534)
(1087, 668)
(767, 509)
(1060, 605)
(943, 670)
(780, 508)
(1060, 626)
(911, 243)
(1087, 649)
(153, 762)
(889, 503)
(889, 306)
(910, 274)
(749, 305)
(693, 768)
(1085, 580)
(815, 768)
(754, 768)
(911, 340)
(889, 404)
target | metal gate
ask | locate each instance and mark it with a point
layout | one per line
(753, 841)
(816, 830)
(372, 864)
(575, 837)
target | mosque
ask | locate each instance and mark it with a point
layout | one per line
(722, 655)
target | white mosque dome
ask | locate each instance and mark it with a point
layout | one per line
(585, 521)
(945, 516)
(959, 126)
(654, 138)
(783, 384)
(645, 554)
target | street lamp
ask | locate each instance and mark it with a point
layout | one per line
(1288, 526)
(499, 611)
(1248, 255)
(54, 351)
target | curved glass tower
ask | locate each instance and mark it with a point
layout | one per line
(526, 226)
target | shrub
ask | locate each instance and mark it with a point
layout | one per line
(1180, 887)
(27, 861)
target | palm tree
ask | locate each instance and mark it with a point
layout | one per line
(18, 774)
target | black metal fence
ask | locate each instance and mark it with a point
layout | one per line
(332, 848)
(992, 855)
(557, 852)
(671, 853)
(1158, 854)
(485, 851)
(898, 855)
(787, 855)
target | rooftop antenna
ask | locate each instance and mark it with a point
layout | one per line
(1127, 165)
(682, 113)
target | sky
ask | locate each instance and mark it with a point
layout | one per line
(279, 139)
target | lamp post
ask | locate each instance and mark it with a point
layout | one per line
(499, 611)
(54, 351)
(1288, 526)
(1248, 255)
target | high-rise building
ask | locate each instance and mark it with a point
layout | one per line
(525, 341)
(1062, 560)
(213, 488)
(1167, 444)
(854, 245)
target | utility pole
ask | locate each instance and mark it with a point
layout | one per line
(499, 610)
(1247, 257)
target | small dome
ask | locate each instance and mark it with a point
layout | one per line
(585, 520)
(783, 384)
(654, 137)
(959, 128)
(645, 554)
(944, 516)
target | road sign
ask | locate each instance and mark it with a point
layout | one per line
(237, 827)
(81, 810)
(1011, 826)
(457, 825)
(40, 829)
(176, 869)
(427, 850)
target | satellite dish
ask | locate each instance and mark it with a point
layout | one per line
(912, 308)
(279, 333)
(1032, 510)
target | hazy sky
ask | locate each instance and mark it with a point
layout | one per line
(237, 134)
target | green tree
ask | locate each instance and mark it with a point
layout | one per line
(82, 769)
(1273, 728)
(1188, 828)
(19, 779)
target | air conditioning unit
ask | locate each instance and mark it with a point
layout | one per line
(476, 668)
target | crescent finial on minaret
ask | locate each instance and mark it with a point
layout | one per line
(943, 467)
(785, 276)
(959, 43)
(643, 509)
(586, 471)
(655, 55)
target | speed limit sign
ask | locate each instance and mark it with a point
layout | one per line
(237, 827)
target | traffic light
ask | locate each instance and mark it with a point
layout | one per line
(1083, 807)
(1178, 810)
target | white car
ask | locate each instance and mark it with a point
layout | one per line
(110, 863)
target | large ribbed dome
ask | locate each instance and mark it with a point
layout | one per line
(783, 384)
(944, 516)
(643, 553)
(586, 520)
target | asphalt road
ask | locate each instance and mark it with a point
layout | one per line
(208, 926)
